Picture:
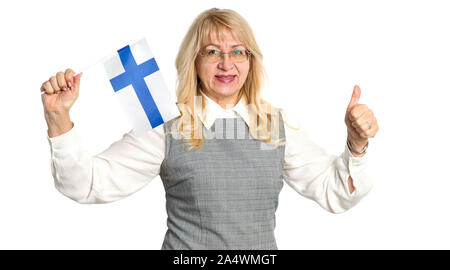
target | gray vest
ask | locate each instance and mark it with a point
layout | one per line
(223, 196)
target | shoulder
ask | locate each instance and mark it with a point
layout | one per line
(291, 123)
(298, 139)
(153, 136)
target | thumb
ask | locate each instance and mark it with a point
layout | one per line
(355, 98)
(76, 81)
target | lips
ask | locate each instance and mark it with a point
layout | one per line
(225, 78)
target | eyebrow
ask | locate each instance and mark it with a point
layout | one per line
(218, 46)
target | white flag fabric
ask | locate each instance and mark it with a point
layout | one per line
(138, 84)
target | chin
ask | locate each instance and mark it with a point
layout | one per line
(227, 91)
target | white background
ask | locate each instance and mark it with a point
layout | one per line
(315, 51)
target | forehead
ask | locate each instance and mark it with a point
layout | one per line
(223, 37)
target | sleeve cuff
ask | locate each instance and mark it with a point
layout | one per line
(64, 142)
(355, 165)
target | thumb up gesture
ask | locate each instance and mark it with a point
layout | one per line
(361, 122)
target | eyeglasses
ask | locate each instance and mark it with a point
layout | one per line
(215, 55)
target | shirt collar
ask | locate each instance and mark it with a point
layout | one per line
(214, 111)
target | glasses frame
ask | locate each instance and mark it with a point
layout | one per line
(247, 53)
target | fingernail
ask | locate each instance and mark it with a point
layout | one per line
(69, 84)
(64, 89)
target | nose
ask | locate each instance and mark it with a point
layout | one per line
(225, 63)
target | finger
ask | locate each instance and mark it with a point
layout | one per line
(374, 127)
(61, 81)
(363, 126)
(362, 120)
(358, 128)
(358, 111)
(77, 81)
(54, 84)
(69, 77)
(47, 87)
(364, 134)
(355, 98)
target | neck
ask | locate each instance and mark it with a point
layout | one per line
(225, 102)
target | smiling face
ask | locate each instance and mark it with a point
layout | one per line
(222, 80)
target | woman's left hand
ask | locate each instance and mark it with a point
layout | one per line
(360, 120)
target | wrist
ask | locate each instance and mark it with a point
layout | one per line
(58, 123)
(56, 116)
(359, 148)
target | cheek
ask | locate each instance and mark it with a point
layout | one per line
(243, 73)
(205, 72)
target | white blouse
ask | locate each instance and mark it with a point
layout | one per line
(132, 162)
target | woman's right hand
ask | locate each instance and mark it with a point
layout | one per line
(60, 92)
(58, 95)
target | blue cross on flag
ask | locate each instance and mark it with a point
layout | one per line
(137, 82)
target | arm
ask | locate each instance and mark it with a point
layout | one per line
(122, 169)
(336, 183)
(351, 187)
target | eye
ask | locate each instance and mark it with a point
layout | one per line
(213, 52)
(238, 52)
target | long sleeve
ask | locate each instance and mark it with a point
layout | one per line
(122, 169)
(310, 171)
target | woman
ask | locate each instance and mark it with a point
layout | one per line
(223, 161)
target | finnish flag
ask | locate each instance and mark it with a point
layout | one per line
(138, 84)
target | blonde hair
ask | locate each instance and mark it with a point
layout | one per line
(262, 113)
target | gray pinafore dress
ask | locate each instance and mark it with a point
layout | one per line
(223, 196)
